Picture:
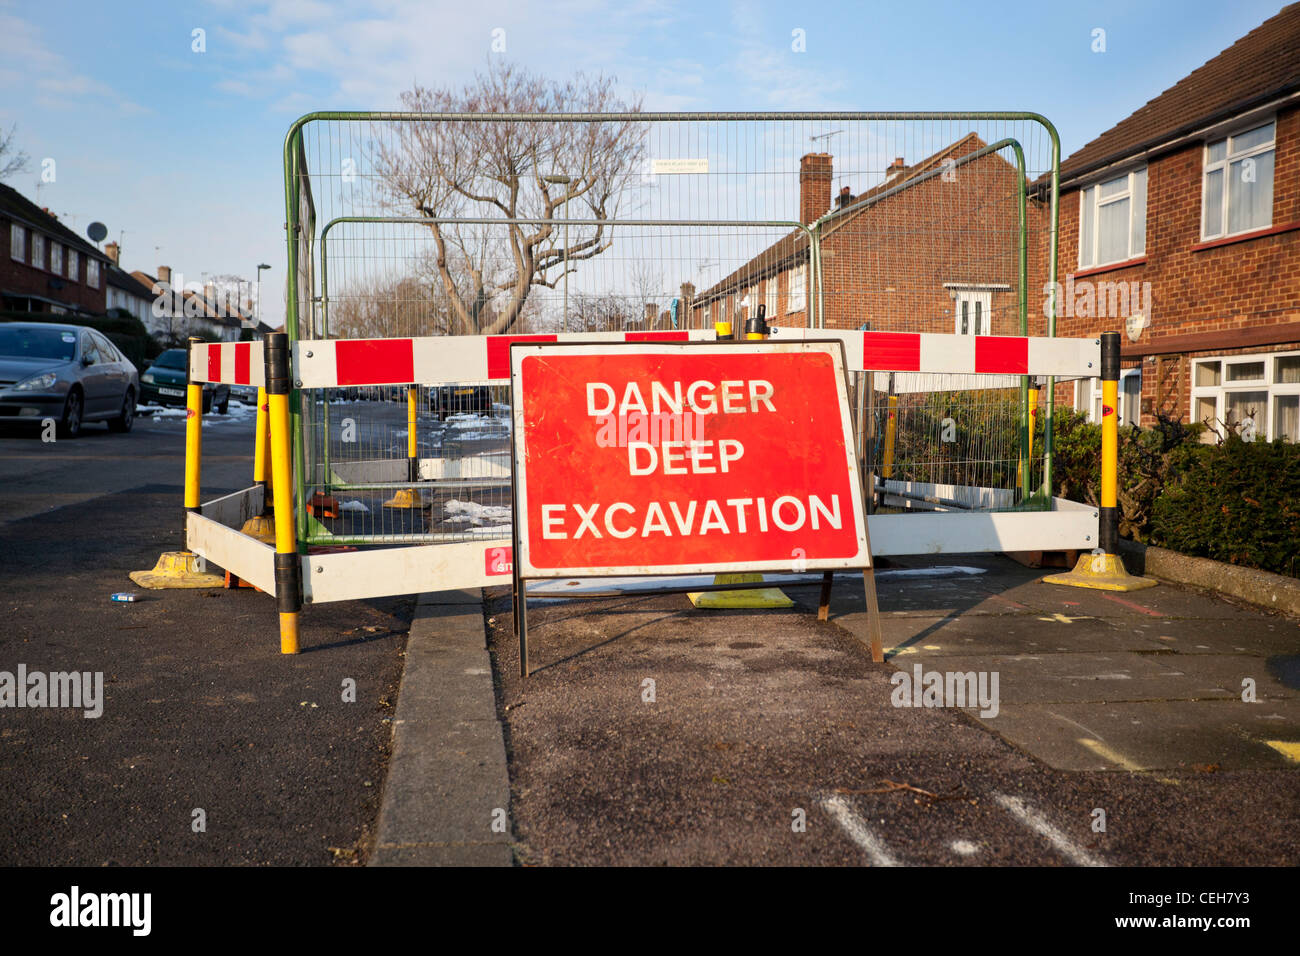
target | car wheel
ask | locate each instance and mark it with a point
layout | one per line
(124, 421)
(70, 427)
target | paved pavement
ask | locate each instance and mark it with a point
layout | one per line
(447, 795)
(656, 733)
(201, 709)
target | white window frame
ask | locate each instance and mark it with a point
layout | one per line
(797, 293)
(1091, 203)
(92, 272)
(74, 265)
(17, 242)
(38, 260)
(1219, 393)
(56, 258)
(1127, 416)
(770, 298)
(1224, 164)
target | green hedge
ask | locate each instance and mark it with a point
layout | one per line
(1234, 501)
(1237, 502)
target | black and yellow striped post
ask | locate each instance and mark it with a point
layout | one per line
(288, 565)
(410, 497)
(755, 331)
(183, 568)
(262, 525)
(1102, 568)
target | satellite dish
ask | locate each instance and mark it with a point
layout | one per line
(97, 231)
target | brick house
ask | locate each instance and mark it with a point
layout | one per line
(44, 265)
(931, 248)
(1181, 226)
(179, 312)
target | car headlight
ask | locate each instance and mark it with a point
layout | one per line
(147, 377)
(37, 381)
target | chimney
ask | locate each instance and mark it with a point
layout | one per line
(814, 186)
(165, 274)
(114, 252)
(894, 168)
(846, 197)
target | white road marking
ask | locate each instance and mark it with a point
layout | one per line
(843, 814)
(1032, 819)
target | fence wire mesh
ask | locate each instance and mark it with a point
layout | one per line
(454, 224)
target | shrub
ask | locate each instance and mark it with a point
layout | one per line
(1237, 502)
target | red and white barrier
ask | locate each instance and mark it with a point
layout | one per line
(439, 359)
(959, 354)
(231, 363)
(453, 359)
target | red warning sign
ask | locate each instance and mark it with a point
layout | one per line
(677, 458)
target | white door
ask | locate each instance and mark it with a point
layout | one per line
(972, 312)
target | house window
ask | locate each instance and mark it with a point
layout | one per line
(770, 299)
(74, 265)
(1113, 220)
(38, 250)
(1237, 195)
(972, 312)
(17, 242)
(1256, 394)
(1088, 395)
(56, 258)
(797, 298)
(92, 273)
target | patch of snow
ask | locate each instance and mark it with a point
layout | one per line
(354, 505)
(473, 513)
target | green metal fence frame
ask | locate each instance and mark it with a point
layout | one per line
(293, 153)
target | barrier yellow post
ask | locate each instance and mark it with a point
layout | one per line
(756, 331)
(891, 429)
(261, 526)
(410, 497)
(1102, 568)
(288, 565)
(183, 568)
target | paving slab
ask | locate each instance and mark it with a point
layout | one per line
(447, 796)
(1203, 736)
(1067, 657)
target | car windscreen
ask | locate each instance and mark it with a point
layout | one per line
(172, 358)
(55, 344)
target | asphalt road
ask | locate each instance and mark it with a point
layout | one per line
(772, 739)
(201, 712)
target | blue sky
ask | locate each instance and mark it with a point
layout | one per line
(178, 152)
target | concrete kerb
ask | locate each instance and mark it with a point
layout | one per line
(448, 781)
(1264, 589)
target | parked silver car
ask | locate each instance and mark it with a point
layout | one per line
(67, 373)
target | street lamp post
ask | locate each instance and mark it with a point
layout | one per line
(564, 181)
(259, 291)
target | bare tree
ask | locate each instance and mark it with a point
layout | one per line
(455, 169)
(12, 159)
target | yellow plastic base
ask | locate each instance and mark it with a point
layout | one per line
(261, 527)
(177, 569)
(1102, 572)
(754, 598)
(406, 498)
